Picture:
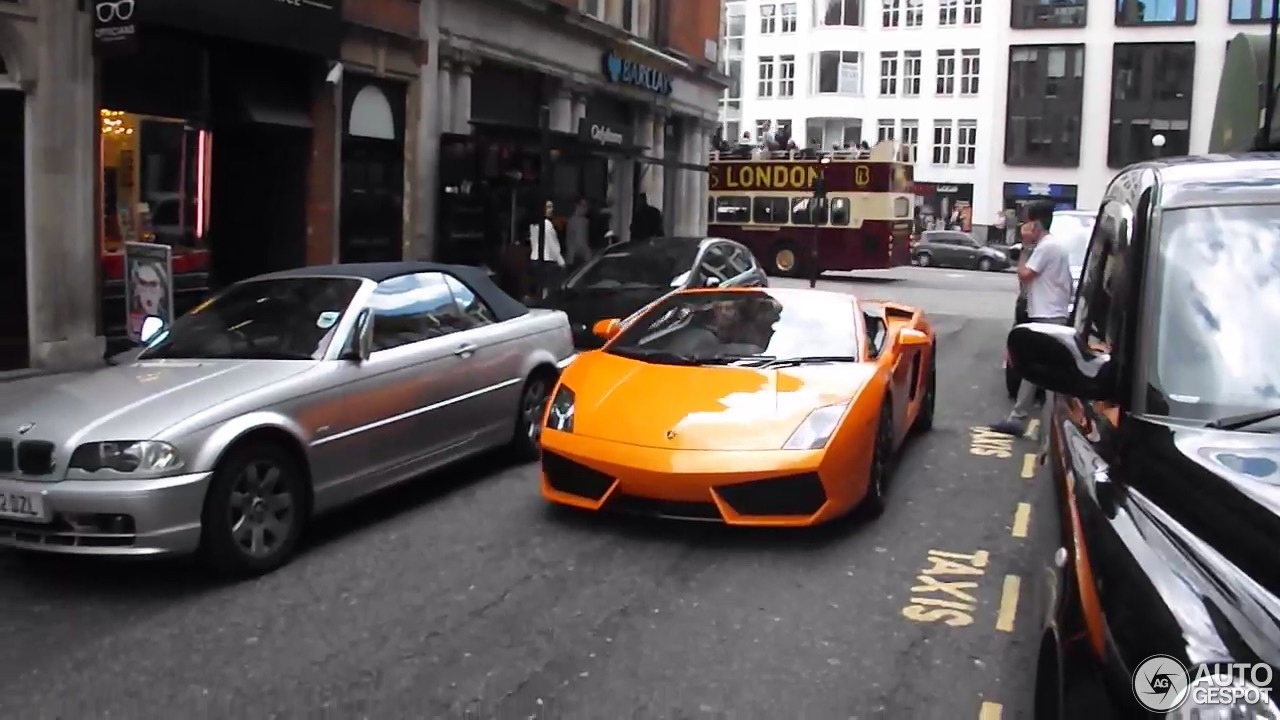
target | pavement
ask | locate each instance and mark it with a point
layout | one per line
(465, 596)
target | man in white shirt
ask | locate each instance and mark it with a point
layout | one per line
(545, 253)
(1044, 273)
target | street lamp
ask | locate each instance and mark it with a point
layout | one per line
(1157, 141)
(819, 198)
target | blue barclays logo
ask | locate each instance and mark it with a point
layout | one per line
(629, 72)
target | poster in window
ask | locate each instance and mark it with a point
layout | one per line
(148, 284)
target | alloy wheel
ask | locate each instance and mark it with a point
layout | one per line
(533, 407)
(262, 509)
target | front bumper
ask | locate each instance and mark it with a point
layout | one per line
(771, 488)
(111, 517)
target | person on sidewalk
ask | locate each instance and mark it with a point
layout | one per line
(1044, 274)
(548, 260)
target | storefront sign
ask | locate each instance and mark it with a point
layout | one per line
(148, 284)
(1018, 194)
(598, 132)
(621, 71)
(309, 26)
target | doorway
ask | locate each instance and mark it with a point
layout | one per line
(371, 220)
(14, 340)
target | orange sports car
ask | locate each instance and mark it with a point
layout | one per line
(752, 406)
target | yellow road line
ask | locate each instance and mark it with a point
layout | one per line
(1033, 430)
(991, 711)
(1028, 466)
(1008, 603)
(1021, 519)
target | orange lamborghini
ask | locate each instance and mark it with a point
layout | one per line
(752, 406)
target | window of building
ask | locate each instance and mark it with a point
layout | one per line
(971, 12)
(789, 17)
(942, 137)
(1045, 98)
(735, 21)
(764, 86)
(1250, 11)
(1030, 14)
(891, 13)
(837, 72)
(156, 175)
(768, 19)
(1155, 12)
(884, 130)
(1150, 95)
(969, 71)
(915, 13)
(911, 69)
(836, 13)
(948, 12)
(594, 8)
(967, 143)
(946, 84)
(786, 76)
(910, 139)
(782, 128)
(888, 73)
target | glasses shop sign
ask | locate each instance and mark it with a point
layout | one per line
(309, 26)
(113, 25)
(622, 71)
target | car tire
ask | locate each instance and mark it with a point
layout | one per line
(786, 260)
(984, 264)
(873, 502)
(526, 443)
(258, 495)
(924, 418)
(924, 259)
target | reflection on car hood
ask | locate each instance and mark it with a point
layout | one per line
(138, 401)
(707, 408)
(585, 308)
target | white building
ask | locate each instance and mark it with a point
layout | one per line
(844, 71)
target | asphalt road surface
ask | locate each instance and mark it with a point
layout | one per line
(464, 595)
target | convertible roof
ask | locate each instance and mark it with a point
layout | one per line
(503, 305)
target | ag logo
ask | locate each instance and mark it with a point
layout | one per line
(1160, 684)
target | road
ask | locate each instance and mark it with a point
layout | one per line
(464, 595)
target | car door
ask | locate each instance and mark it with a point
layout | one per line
(965, 250)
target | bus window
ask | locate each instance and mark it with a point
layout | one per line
(771, 210)
(839, 211)
(901, 207)
(732, 209)
(800, 211)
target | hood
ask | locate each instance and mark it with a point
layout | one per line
(708, 408)
(139, 400)
(586, 307)
(1209, 502)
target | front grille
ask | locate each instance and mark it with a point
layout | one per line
(35, 457)
(6, 455)
(574, 478)
(791, 495)
(633, 505)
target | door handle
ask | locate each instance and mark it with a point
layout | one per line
(465, 350)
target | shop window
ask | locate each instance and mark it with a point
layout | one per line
(155, 187)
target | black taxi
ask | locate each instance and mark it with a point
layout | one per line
(1162, 441)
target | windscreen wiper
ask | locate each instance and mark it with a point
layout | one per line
(811, 360)
(1243, 420)
(656, 356)
(725, 359)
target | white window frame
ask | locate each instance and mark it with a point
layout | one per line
(889, 73)
(786, 76)
(815, 74)
(891, 13)
(943, 133)
(730, 106)
(966, 143)
(764, 76)
(946, 74)
(768, 19)
(592, 8)
(909, 138)
(912, 69)
(886, 129)
(820, 14)
(790, 18)
(948, 13)
(970, 72)
(914, 13)
(971, 13)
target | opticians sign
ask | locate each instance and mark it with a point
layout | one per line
(621, 71)
(308, 26)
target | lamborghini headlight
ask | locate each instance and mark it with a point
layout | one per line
(817, 429)
(560, 414)
(126, 456)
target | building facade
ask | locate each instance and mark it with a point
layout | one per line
(831, 73)
(1062, 137)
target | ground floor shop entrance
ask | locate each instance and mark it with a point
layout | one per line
(14, 348)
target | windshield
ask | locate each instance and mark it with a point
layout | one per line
(285, 319)
(651, 265)
(1217, 300)
(745, 324)
(1074, 232)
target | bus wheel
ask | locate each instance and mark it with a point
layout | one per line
(786, 260)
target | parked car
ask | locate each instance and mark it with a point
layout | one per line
(1162, 443)
(955, 249)
(282, 397)
(628, 276)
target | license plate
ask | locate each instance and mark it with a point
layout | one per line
(21, 506)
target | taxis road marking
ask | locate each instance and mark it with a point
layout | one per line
(1028, 466)
(1021, 519)
(991, 711)
(1008, 603)
(985, 442)
(934, 599)
(1033, 430)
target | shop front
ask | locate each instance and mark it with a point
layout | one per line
(206, 139)
(14, 337)
(944, 206)
(371, 228)
(1018, 194)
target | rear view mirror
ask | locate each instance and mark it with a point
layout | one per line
(152, 326)
(1051, 357)
(606, 329)
(910, 337)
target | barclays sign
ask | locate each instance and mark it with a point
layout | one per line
(629, 72)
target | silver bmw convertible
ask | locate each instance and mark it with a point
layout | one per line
(282, 397)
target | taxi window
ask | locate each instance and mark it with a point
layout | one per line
(732, 209)
(839, 211)
(771, 210)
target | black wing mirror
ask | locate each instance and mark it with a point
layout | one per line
(1052, 357)
(360, 345)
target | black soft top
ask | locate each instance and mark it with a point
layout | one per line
(504, 306)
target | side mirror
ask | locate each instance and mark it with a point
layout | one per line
(910, 337)
(361, 343)
(1050, 356)
(711, 282)
(152, 326)
(606, 329)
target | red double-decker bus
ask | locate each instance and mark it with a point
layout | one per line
(763, 202)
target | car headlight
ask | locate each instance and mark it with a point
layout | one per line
(126, 456)
(817, 429)
(1224, 698)
(560, 414)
